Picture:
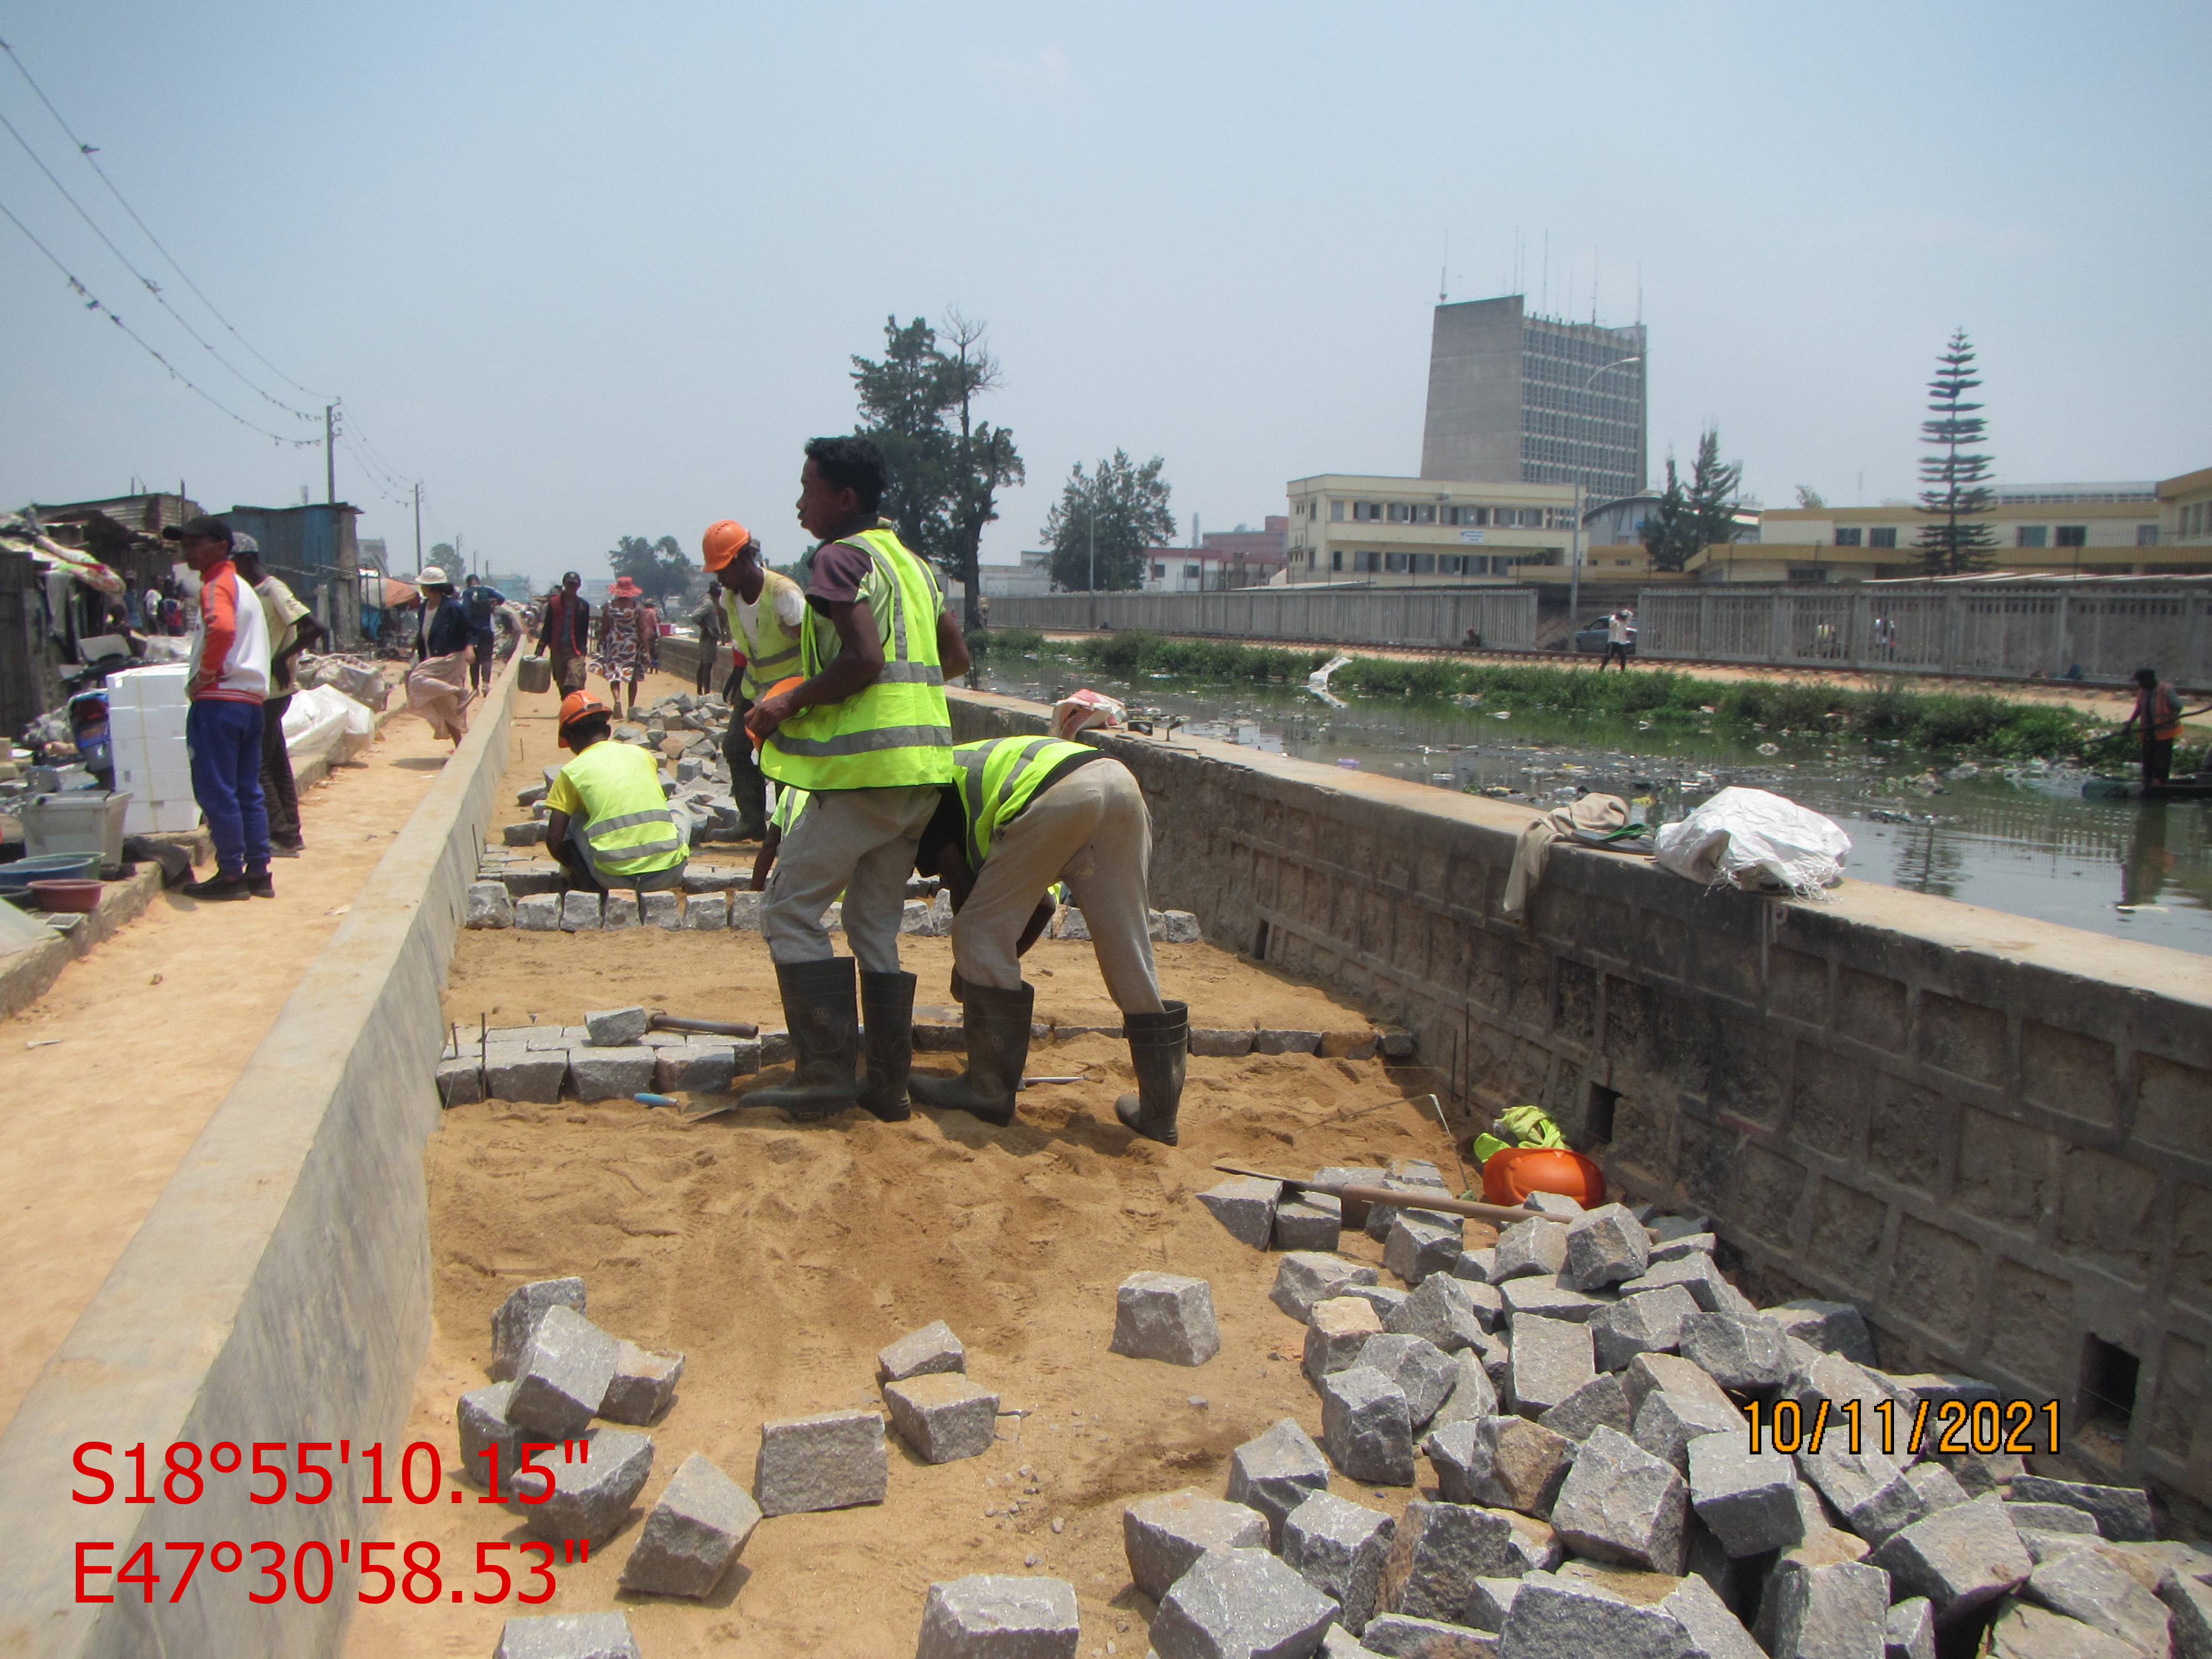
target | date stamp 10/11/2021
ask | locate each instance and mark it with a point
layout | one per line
(284, 1472)
(1949, 1427)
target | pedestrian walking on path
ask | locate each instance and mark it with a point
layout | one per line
(226, 677)
(292, 629)
(1022, 814)
(483, 602)
(624, 655)
(565, 633)
(1619, 633)
(438, 686)
(867, 734)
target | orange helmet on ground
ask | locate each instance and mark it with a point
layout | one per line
(724, 539)
(577, 706)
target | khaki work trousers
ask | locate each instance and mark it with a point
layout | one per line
(1090, 830)
(859, 841)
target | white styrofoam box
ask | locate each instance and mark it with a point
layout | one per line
(162, 721)
(155, 784)
(161, 816)
(159, 686)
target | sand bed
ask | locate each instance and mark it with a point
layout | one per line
(779, 1257)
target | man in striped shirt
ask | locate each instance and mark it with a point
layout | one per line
(227, 680)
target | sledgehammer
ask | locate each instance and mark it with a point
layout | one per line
(1396, 1197)
(729, 1028)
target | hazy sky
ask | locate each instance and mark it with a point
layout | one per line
(594, 271)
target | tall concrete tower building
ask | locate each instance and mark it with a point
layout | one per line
(1516, 398)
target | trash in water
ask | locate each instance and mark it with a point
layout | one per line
(1770, 749)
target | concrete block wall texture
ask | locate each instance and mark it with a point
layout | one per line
(1993, 1135)
(280, 1288)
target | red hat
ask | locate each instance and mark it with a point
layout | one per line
(624, 589)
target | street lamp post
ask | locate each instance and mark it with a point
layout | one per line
(1575, 564)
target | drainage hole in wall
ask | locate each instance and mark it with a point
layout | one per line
(2108, 1384)
(1598, 1114)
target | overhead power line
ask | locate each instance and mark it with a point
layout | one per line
(150, 286)
(89, 152)
(93, 303)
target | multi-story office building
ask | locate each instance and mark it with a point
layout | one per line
(1517, 398)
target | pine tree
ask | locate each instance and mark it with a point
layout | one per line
(1957, 539)
(1693, 517)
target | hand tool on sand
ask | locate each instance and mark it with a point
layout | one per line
(656, 1100)
(1397, 1197)
(1032, 1082)
(729, 1028)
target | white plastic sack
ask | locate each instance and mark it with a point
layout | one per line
(318, 715)
(1751, 839)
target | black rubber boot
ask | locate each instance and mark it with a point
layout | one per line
(997, 1025)
(887, 1018)
(1160, 1045)
(820, 1012)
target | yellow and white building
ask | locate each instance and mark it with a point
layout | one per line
(1382, 532)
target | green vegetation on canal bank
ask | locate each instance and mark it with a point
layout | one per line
(1944, 722)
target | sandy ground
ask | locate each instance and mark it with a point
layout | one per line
(137, 1042)
(779, 1257)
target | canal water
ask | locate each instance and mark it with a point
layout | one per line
(2013, 837)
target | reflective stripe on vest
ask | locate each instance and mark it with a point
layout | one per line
(997, 778)
(789, 804)
(896, 731)
(626, 826)
(772, 653)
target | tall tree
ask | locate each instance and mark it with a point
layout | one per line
(986, 461)
(1957, 537)
(945, 482)
(658, 568)
(903, 397)
(1105, 520)
(1701, 513)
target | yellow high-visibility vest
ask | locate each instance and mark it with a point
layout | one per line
(626, 827)
(771, 652)
(896, 731)
(999, 776)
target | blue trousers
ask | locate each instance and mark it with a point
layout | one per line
(224, 741)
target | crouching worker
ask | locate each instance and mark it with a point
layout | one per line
(1022, 814)
(607, 819)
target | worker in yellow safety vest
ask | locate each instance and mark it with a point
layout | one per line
(867, 735)
(1020, 815)
(607, 818)
(765, 610)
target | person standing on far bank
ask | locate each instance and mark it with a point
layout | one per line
(868, 735)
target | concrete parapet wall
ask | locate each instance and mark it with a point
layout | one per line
(1993, 1134)
(278, 1291)
(1506, 617)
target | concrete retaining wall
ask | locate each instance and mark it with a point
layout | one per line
(1993, 1134)
(279, 1289)
(2002, 630)
(1506, 617)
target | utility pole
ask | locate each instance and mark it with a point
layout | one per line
(329, 454)
(1575, 571)
(1093, 516)
(419, 526)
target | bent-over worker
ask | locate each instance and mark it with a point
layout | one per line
(607, 819)
(764, 611)
(1021, 814)
(867, 735)
(2158, 713)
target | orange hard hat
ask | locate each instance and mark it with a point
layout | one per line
(782, 686)
(721, 542)
(577, 706)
